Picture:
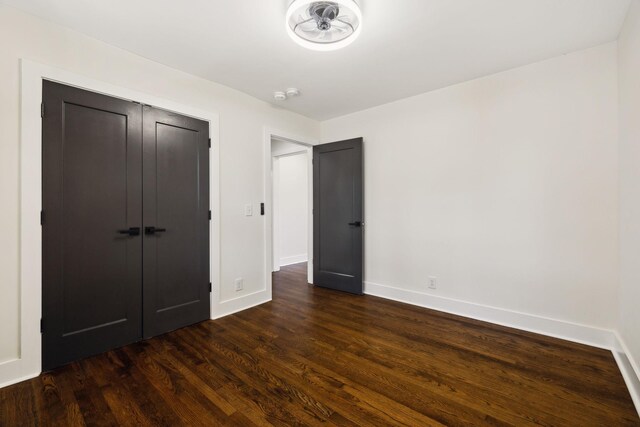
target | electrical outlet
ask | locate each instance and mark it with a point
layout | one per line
(433, 282)
(239, 284)
(248, 210)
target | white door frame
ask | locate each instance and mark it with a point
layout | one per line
(269, 134)
(28, 363)
(275, 211)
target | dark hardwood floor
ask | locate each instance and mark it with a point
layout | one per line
(314, 356)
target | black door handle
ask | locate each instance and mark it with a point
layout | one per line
(154, 230)
(132, 231)
(356, 224)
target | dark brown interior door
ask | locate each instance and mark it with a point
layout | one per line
(176, 221)
(338, 215)
(92, 217)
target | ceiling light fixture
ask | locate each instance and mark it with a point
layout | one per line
(324, 25)
(279, 96)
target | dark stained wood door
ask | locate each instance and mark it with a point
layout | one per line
(92, 220)
(338, 215)
(125, 222)
(176, 221)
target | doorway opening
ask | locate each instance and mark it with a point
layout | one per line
(288, 203)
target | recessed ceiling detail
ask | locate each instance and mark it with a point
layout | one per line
(324, 25)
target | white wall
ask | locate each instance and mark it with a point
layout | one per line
(504, 188)
(293, 195)
(242, 123)
(629, 84)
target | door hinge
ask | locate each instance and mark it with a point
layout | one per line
(262, 208)
(41, 325)
(41, 217)
(42, 110)
(209, 215)
(210, 287)
(209, 142)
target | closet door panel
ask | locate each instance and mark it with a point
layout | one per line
(176, 209)
(92, 198)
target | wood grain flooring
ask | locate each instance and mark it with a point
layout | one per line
(318, 357)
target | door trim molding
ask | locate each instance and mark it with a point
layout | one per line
(28, 363)
(309, 142)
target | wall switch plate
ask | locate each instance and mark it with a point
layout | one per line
(433, 282)
(239, 284)
(248, 210)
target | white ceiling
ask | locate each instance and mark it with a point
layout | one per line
(407, 47)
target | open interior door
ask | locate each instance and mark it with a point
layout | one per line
(338, 215)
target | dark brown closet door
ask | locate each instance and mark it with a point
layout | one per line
(176, 221)
(92, 217)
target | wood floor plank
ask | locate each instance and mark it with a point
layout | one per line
(317, 357)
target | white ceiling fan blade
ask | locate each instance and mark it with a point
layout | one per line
(329, 11)
(338, 29)
(345, 23)
(308, 26)
(326, 36)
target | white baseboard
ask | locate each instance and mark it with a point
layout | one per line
(244, 302)
(295, 259)
(629, 368)
(13, 372)
(583, 334)
(602, 338)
